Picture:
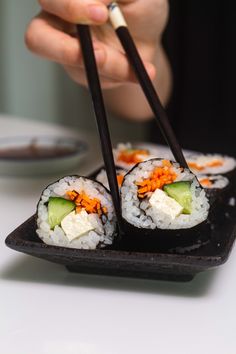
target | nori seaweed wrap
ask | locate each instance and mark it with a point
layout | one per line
(163, 207)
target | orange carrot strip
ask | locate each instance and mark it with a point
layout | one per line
(215, 163)
(120, 179)
(206, 182)
(195, 166)
(132, 156)
(84, 201)
(157, 179)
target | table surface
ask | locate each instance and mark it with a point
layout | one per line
(44, 309)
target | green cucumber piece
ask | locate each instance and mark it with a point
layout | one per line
(58, 208)
(181, 192)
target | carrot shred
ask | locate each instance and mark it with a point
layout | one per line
(195, 166)
(214, 163)
(104, 209)
(72, 195)
(206, 182)
(120, 179)
(166, 163)
(132, 156)
(83, 201)
(158, 178)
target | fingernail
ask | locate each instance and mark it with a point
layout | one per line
(97, 13)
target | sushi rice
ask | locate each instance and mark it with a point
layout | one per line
(102, 177)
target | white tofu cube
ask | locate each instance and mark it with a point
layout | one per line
(76, 225)
(161, 202)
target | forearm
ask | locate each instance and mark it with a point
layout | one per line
(128, 101)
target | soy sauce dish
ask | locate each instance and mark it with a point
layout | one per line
(39, 155)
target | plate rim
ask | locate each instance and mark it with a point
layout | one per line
(26, 246)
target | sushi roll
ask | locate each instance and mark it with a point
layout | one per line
(213, 181)
(213, 164)
(127, 155)
(163, 203)
(102, 177)
(217, 188)
(76, 212)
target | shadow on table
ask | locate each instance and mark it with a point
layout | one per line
(29, 269)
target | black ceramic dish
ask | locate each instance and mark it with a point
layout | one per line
(121, 260)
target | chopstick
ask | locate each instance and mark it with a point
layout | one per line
(100, 114)
(119, 24)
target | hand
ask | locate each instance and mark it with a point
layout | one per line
(51, 34)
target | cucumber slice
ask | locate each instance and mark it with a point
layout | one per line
(181, 192)
(58, 208)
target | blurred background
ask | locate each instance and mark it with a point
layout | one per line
(200, 42)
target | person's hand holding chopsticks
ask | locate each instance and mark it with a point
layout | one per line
(51, 35)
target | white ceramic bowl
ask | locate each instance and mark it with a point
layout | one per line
(74, 151)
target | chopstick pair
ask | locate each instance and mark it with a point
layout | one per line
(119, 24)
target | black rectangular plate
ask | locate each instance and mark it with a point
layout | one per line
(176, 265)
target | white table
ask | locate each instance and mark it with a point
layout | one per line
(44, 309)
